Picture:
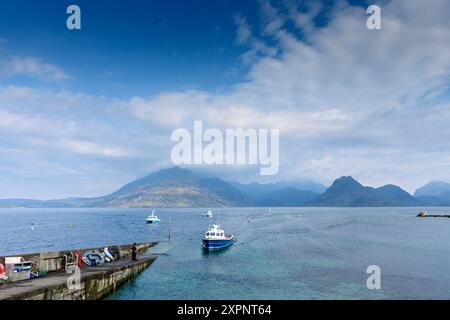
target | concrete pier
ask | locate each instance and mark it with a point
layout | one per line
(95, 282)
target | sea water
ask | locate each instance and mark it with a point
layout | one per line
(279, 253)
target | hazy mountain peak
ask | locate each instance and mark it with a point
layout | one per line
(175, 187)
(170, 173)
(433, 189)
(346, 191)
(346, 179)
(391, 187)
(347, 182)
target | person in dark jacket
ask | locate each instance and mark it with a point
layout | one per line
(133, 252)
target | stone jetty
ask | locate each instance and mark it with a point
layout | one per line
(94, 282)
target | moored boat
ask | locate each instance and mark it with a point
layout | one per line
(93, 258)
(215, 238)
(153, 218)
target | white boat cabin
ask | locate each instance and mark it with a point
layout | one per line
(215, 233)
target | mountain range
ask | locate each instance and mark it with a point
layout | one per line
(347, 192)
(434, 193)
(178, 187)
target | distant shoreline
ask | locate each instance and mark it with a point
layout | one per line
(230, 207)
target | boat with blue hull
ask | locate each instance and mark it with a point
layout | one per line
(215, 238)
(153, 218)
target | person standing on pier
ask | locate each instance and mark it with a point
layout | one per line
(133, 252)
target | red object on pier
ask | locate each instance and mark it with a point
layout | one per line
(80, 259)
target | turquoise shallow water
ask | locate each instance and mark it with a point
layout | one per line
(283, 253)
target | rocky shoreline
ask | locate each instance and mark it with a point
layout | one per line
(425, 214)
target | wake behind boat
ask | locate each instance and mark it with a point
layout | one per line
(215, 238)
(153, 218)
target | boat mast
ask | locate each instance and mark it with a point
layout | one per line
(170, 228)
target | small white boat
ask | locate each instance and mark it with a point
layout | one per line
(423, 214)
(209, 214)
(153, 218)
(215, 238)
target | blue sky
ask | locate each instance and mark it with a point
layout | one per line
(142, 47)
(83, 112)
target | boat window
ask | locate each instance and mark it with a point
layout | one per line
(207, 234)
(213, 234)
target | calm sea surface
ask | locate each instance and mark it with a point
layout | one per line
(282, 253)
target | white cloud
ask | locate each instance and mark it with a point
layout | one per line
(169, 109)
(91, 148)
(243, 33)
(272, 19)
(244, 36)
(369, 98)
(35, 68)
(304, 19)
(47, 130)
(12, 65)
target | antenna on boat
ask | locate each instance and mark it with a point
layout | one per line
(170, 228)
